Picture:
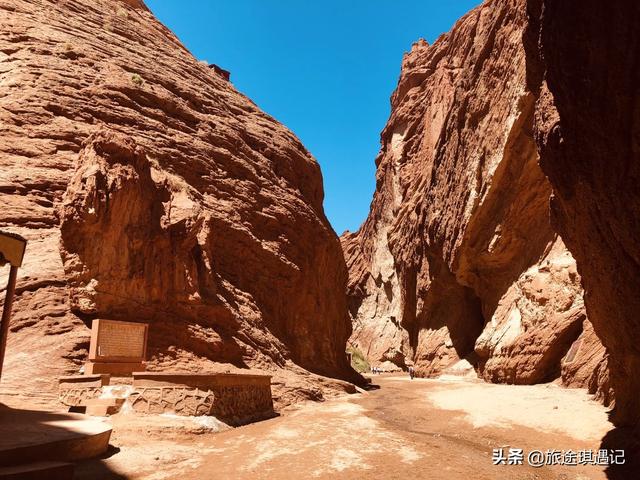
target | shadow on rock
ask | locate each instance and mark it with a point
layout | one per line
(627, 439)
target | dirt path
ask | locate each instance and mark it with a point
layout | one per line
(407, 429)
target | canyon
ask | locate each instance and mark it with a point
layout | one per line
(150, 189)
(458, 262)
(500, 243)
(588, 135)
(500, 236)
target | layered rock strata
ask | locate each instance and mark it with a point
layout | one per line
(584, 71)
(151, 190)
(458, 258)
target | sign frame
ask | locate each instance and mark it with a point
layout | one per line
(96, 334)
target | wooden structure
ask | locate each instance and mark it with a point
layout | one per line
(12, 247)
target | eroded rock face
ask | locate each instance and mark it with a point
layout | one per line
(458, 257)
(535, 323)
(585, 364)
(586, 78)
(375, 305)
(151, 190)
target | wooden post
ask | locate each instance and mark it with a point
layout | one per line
(6, 313)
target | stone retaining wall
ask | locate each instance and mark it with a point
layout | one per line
(232, 398)
(74, 391)
(181, 401)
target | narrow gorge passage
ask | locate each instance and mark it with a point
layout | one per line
(180, 302)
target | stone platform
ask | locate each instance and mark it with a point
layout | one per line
(28, 436)
(38, 471)
(233, 398)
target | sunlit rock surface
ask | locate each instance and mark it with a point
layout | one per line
(458, 258)
(151, 190)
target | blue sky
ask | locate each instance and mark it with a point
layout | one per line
(324, 68)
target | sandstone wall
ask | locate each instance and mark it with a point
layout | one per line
(584, 70)
(151, 190)
(458, 258)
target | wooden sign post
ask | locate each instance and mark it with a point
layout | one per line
(12, 248)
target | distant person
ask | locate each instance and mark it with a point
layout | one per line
(412, 372)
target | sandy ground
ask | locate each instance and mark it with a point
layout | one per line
(435, 429)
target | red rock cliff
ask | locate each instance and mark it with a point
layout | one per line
(458, 258)
(151, 190)
(584, 70)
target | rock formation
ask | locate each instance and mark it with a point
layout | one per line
(458, 259)
(151, 190)
(583, 69)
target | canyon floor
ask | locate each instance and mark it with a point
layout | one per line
(420, 428)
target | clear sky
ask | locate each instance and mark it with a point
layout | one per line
(324, 68)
